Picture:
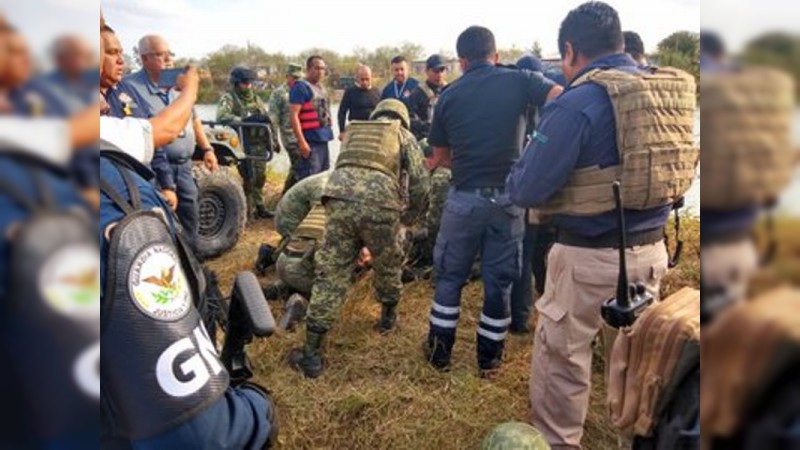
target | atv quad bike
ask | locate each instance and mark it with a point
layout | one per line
(221, 200)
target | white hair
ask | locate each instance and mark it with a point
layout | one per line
(145, 44)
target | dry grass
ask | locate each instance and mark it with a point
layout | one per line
(378, 392)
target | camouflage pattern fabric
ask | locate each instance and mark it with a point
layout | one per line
(279, 113)
(352, 225)
(376, 189)
(297, 271)
(440, 183)
(232, 108)
(515, 436)
(297, 202)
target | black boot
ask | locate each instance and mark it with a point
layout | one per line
(275, 290)
(437, 351)
(263, 213)
(388, 318)
(308, 359)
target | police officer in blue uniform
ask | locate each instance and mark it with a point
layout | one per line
(163, 384)
(477, 130)
(577, 134)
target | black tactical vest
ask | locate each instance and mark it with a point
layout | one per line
(159, 365)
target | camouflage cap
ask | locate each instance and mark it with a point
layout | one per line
(515, 436)
(295, 70)
(394, 107)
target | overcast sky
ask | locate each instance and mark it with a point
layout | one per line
(197, 27)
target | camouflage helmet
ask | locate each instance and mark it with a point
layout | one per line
(392, 107)
(515, 436)
(241, 74)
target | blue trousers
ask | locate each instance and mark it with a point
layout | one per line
(188, 211)
(537, 242)
(473, 222)
(318, 161)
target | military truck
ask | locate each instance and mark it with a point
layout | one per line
(221, 199)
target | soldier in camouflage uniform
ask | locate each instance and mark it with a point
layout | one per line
(280, 115)
(300, 219)
(241, 104)
(379, 182)
(515, 436)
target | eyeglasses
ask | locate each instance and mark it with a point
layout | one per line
(161, 54)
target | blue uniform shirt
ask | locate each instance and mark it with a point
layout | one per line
(301, 93)
(401, 92)
(577, 130)
(482, 117)
(122, 103)
(154, 99)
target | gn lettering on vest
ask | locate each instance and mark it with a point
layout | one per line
(194, 373)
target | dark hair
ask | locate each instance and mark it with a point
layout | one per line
(593, 29)
(711, 44)
(475, 44)
(633, 44)
(107, 29)
(311, 60)
(399, 59)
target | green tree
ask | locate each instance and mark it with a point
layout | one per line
(536, 49)
(681, 49)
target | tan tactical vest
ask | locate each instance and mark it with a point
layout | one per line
(747, 154)
(650, 358)
(313, 225)
(654, 113)
(372, 144)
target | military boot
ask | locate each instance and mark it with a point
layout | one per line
(437, 351)
(308, 359)
(388, 318)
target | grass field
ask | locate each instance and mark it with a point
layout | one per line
(379, 392)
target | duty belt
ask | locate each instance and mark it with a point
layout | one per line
(486, 192)
(611, 239)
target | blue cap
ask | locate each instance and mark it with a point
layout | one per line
(530, 62)
(435, 62)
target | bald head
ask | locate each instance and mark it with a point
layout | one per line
(73, 55)
(155, 54)
(364, 77)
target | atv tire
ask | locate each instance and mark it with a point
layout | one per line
(222, 211)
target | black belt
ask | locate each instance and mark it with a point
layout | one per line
(610, 240)
(728, 237)
(487, 192)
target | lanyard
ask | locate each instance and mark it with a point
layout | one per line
(402, 88)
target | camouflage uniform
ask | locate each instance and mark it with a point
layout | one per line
(295, 264)
(364, 209)
(233, 108)
(440, 183)
(515, 436)
(279, 113)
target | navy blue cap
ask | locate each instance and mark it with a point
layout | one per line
(435, 62)
(530, 62)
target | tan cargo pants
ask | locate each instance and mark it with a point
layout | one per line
(579, 280)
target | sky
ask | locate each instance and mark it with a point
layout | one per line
(197, 27)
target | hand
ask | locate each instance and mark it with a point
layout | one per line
(190, 79)
(171, 197)
(341, 136)
(210, 160)
(364, 257)
(305, 150)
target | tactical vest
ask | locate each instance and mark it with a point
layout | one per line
(159, 365)
(654, 114)
(51, 314)
(747, 150)
(245, 110)
(432, 99)
(313, 226)
(315, 113)
(372, 144)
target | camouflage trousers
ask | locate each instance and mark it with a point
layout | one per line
(296, 271)
(351, 226)
(293, 151)
(254, 176)
(440, 183)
